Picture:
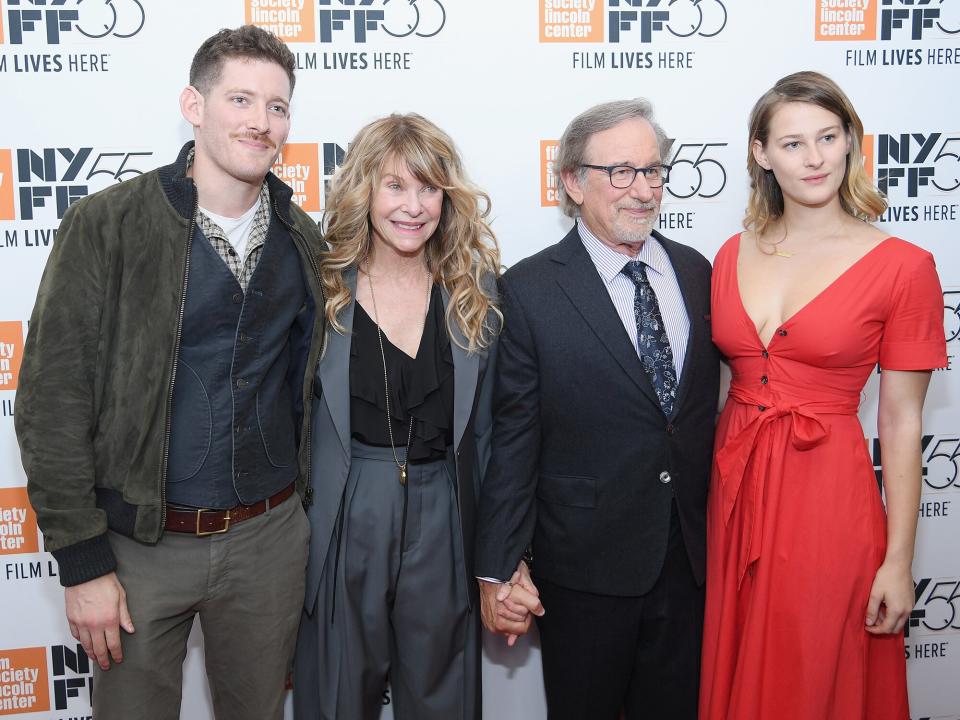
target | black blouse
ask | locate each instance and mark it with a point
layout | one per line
(420, 387)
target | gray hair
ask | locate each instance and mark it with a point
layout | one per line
(573, 143)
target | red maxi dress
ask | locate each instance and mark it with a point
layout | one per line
(795, 524)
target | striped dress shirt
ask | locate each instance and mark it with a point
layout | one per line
(663, 280)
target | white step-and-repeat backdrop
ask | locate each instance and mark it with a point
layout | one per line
(90, 95)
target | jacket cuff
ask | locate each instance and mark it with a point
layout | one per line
(85, 560)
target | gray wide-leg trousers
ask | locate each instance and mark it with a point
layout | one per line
(392, 602)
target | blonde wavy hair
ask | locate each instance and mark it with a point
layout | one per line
(462, 255)
(858, 195)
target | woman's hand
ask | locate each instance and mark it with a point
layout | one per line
(891, 599)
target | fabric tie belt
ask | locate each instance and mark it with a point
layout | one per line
(807, 430)
(201, 522)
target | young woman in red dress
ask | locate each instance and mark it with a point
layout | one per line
(809, 577)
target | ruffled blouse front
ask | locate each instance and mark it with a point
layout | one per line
(420, 388)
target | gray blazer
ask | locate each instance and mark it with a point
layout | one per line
(330, 432)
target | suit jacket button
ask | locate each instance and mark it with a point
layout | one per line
(665, 477)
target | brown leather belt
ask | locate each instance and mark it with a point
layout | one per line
(201, 522)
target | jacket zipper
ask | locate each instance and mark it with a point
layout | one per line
(305, 248)
(173, 369)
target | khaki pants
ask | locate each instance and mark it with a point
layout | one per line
(247, 587)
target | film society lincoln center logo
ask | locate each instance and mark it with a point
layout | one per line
(41, 679)
(629, 21)
(327, 21)
(846, 20)
(696, 171)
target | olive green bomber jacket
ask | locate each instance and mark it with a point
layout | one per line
(96, 383)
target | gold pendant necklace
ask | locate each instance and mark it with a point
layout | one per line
(386, 385)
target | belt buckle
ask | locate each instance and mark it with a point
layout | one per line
(226, 523)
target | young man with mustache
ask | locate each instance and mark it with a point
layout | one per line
(160, 413)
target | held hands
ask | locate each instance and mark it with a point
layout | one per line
(891, 599)
(96, 610)
(506, 608)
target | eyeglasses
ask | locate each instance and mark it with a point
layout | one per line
(622, 176)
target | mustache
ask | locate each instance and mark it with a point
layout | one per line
(257, 137)
(652, 205)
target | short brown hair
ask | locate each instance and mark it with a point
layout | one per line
(247, 42)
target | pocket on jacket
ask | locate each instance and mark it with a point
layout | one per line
(570, 490)
(192, 425)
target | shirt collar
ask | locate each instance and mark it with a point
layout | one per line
(610, 263)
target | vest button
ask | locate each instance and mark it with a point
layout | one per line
(781, 332)
(671, 428)
(761, 408)
(763, 380)
(665, 477)
(764, 354)
(242, 382)
(237, 298)
(243, 337)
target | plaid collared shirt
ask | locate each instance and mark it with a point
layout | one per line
(241, 268)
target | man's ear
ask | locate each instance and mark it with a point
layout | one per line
(571, 183)
(756, 147)
(191, 105)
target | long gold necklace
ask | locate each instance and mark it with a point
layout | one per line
(386, 385)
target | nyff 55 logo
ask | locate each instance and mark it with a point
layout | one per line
(940, 455)
(47, 181)
(52, 21)
(26, 675)
(696, 171)
(937, 607)
(629, 20)
(897, 19)
(913, 164)
(346, 20)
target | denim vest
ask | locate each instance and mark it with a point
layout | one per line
(234, 435)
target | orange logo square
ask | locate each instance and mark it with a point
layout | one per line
(298, 165)
(18, 523)
(561, 23)
(1, 22)
(24, 681)
(549, 178)
(289, 20)
(11, 354)
(868, 157)
(7, 211)
(857, 21)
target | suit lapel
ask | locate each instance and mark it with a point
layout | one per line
(335, 367)
(579, 280)
(466, 370)
(690, 290)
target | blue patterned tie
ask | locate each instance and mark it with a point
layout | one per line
(653, 344)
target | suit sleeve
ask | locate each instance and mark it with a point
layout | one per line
(56, 403)
(507, 503)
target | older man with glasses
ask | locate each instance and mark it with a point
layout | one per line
(606, 393)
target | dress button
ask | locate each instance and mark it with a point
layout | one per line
(665, 477)
(781, 332)
(764, 354)
(763, 380)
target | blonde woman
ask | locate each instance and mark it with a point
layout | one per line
(808, 580)
(402, 405)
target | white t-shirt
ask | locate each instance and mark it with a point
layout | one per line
(237, 230)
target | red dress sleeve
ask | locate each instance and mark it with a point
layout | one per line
(913, 337)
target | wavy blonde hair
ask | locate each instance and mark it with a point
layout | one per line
(462, 254)
(858, 195)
